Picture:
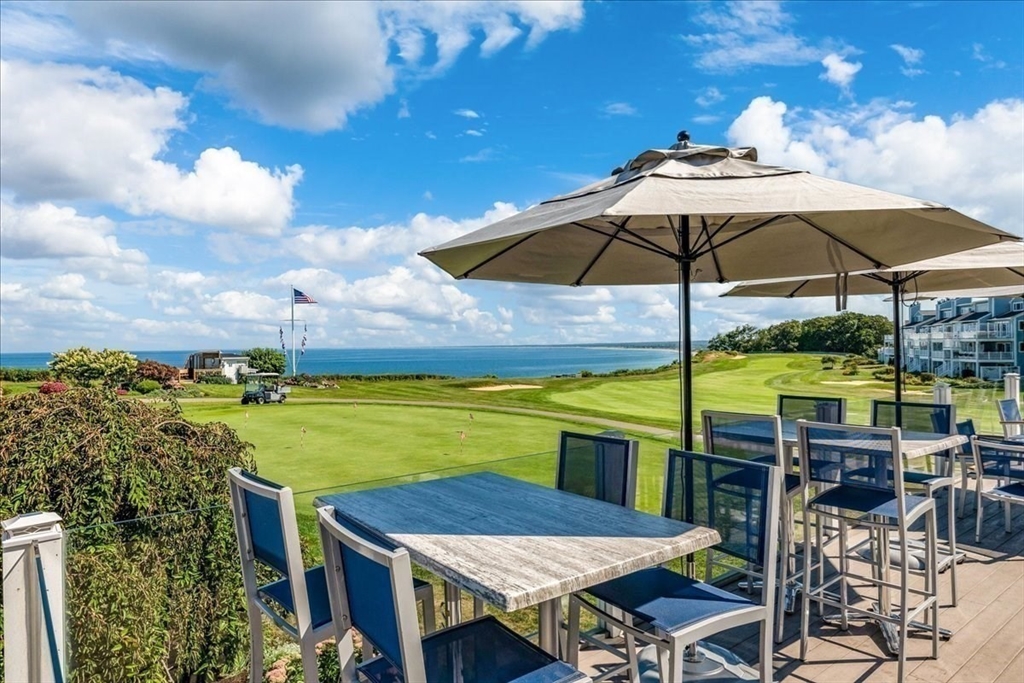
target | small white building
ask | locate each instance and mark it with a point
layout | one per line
(234, 367)
(216, 363)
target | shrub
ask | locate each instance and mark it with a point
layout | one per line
(214, 379)
(166, 375)
(24, 375)
(886, 375)
(828, 362)
(147, 386)
(151, 599)
(52, 387)
(83, 366)
(927, 377)
(851, 370)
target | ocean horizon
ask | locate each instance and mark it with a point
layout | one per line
(454, 361)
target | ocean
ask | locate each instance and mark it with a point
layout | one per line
(456, 361)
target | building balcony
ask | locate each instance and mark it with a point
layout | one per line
(995, 355)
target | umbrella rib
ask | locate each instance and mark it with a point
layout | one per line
(600, 252)
(644, 242)
(714, 254)
(491, 258)
(799, 287)
(742, 234)
(711, 236)
(808, 221)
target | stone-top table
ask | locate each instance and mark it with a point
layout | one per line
(515, 544)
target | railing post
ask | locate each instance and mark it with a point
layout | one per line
(33, 578)
(1011, 389)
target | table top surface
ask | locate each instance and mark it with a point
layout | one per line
(913, 444)
(513, 543)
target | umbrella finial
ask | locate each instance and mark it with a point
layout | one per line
(682, 137)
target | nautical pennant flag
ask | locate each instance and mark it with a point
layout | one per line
(283, 347)
(304, 330)
(301, 298)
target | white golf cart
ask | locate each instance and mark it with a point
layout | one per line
(264, 387)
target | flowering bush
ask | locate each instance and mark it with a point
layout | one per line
(52, 387)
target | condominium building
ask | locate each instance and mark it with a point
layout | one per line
(963, 337)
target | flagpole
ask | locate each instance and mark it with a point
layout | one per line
(291, 295)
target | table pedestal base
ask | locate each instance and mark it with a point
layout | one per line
(718, 665)
(890, 631)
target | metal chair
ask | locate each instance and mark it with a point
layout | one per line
(758, 438)
(370, 586)
(268, 534)
(1010, 417)
(863, 469)
(672, 611)
(600, 466)
(811, 408)
(933, 418)
(965, 456)
(1004, 461)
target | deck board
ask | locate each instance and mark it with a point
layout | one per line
(988, 641)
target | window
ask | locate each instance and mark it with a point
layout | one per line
(1020, 347)
(1017, 306)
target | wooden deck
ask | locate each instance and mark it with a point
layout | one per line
(988, 623)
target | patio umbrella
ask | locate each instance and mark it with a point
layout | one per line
(993, 266)
(696, 213)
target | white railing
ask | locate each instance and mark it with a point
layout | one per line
(33, 578)
(995, 355)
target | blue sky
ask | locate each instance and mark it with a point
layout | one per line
(168, 169)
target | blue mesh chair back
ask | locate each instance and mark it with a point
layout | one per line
(598, 466)
(859, 457)
(746, 437)
(935, 418)
(1004, 460)
(265, 532)
(812, 408)
(966, 428)
(369, 592)
(725, 494)
(1009, 410)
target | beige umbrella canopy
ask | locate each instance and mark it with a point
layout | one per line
(708, 214)
(993, 268)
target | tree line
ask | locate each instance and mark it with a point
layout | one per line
(843, 333)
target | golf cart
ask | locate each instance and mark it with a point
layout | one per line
(263, 387)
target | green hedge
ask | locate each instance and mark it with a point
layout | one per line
(152, 599)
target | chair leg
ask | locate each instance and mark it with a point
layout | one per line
(572, 639)
(1006, 518)
(805, 601)
(963, 489)
(675, 663)
(307, 647)
(820, 540)
(933, 572)
(904, 599)
(631, 655)
(951, 530)
(784, 558)
(844, 572)
(429, 613)
(979, 510)
(255, 643)
(765, 667)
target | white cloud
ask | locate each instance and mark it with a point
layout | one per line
(619, 109)
(244, 306)
(66, 286)
(48, 231)
(403, 109)
(474, 133)
(70, 133)
(485, 154)
(709, 97)
(978, 53)
(706, 119)
(912, 57)
(324, 246)
(739, 35)
(972, 162)
(428, 195)
(839, 72)
(247, 50)
(466, 113)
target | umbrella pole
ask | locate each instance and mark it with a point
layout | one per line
(897, 342)
(685, 370)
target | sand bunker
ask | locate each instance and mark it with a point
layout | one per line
(506, 387)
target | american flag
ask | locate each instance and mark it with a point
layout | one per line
(301, 298)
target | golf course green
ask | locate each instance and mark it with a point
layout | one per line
(358, 434)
